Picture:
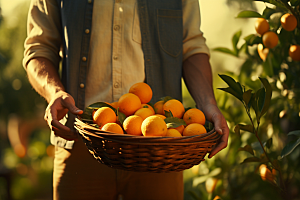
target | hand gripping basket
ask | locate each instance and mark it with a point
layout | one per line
(146, 154)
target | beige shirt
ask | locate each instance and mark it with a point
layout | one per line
(116, 56)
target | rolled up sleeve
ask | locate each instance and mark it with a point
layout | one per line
(43, 32)
(193, 40)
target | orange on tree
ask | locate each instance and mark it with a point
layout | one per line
(132, 125)
(294, 52)
(175, 106)
(288, 22)
(154, 126)
(194, 129)
(158, 107)
(173, 133)
(144, 112)
(194, 115)
(129, 103)
(261, 26)
(270, 39)
(262, 52)
(142, 90)
(266, 174)
(103, 116)
(113, 127)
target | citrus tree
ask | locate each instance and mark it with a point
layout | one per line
(268, 86)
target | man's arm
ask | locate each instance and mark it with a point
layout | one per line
(197, 75)
(44, 78)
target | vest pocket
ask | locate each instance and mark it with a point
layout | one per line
(169, 23)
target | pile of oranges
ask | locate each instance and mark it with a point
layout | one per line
(270, 39)
(166, 117)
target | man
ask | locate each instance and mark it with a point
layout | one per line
(107, 46)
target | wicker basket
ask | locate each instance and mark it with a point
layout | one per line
(146, 154)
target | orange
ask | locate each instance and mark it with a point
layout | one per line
(270, 39)
(161, 116)
(154, 126)
(173, 133)
(112, 127)
(158, 107)
(114, 104)
(175, 106)
(144, 112)
(266, 174)
(261, 26)
(262, 52)
(132, 125)
(129, 103)
(103, 116)
(210, 184)
(194, 129)
(288, 22)
(144, 105)
(194, 115)
(294, 52)
(142, 90)
(179, 128)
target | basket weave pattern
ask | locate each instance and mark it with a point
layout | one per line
(146, 154)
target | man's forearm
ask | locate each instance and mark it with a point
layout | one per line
(197, 75)
(44, 78)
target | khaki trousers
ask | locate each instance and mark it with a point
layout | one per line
(77, 175)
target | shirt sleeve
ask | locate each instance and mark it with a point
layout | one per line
(193, 39)
(43, 32)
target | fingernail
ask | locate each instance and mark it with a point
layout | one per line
(220, 131)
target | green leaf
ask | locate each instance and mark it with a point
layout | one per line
(295, 133)
(252, 39)
(225, 50)
(174, 122)
(248, 128)
(168, 113)
(235, 87)
(289, 148)
(268, 12)
(249, 14)
(247, 148)
(247, 97)
(166, 98)
(231, 91)
(251, 159)
(274, 2)
(237, 130)
(295, 2)
(276, 164)
(121, 116)
(268, 95)
(269, 143)
(235, 40)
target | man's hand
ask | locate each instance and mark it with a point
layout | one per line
(58, 107)
(214, 115)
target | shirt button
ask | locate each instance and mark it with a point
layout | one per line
(81, 85)
(115, 57)
(84, 58)
(116, 85)
(116, 27)
(87, 31)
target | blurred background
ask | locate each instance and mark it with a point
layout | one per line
(26, 156)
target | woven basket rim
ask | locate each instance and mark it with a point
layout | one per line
(86, 129)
